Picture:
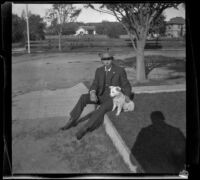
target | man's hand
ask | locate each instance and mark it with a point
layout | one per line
(93, 96)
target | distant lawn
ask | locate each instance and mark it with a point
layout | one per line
(129, 124)
(174, 65)
(156, 60)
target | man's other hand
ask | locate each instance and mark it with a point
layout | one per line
(93, 96)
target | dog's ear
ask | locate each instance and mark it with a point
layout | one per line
(111, 87)
(118, 88)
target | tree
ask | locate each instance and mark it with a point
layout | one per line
(37, 27)
(60, 14)
(70, 28)
(158, 26)
(111, 29)
(137, 18)
(17, 28)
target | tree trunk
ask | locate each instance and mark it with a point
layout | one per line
(140, 64)
(59, 42)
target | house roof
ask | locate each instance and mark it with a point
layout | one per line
(87, 27)
(176, 20)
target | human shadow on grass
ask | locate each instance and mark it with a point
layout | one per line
(160, 147)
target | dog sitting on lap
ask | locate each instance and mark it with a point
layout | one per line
(120, 100)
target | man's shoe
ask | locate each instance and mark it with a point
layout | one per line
(69, 124)
(81, 133)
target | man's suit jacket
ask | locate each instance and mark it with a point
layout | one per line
(116, 77)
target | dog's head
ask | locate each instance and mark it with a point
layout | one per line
(114, 91)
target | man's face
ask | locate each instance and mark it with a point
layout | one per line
(107, 63)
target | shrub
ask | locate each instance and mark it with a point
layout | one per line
(113, 34)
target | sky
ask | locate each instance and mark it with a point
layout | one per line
(88, 15)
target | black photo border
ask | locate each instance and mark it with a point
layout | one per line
(192, 96)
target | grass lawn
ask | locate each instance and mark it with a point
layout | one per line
(37, 72)
(130, 124)
(162, 70)
(162, 60)
(39, 147)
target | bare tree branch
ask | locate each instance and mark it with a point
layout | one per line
(101, 11)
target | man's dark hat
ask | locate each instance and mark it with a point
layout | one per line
(106, 56)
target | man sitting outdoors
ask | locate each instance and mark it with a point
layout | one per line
(107, 75)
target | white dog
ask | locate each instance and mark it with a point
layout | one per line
(120, 100)
(129, 106)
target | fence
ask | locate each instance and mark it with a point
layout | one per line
(74, 43)
(77, 37)
(44, 44)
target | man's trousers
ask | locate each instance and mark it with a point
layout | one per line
(97, 117)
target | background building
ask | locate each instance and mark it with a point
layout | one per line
(175, 27)
(86, 30)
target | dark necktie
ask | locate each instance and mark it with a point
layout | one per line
(106, 81)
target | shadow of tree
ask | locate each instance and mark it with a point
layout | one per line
(160, 147)
(148, 45)
(175, 77)
(177, 66)
(156, 45)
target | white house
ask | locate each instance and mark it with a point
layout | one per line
(86, 30)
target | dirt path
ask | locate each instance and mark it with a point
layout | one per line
(51, 72)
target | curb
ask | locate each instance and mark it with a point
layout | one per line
(120, 145)
(159, 89)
